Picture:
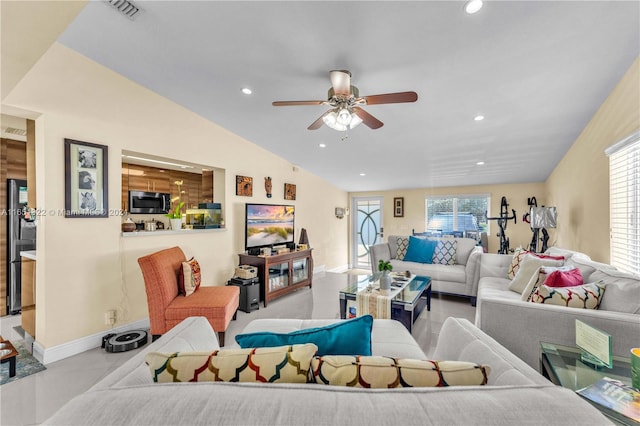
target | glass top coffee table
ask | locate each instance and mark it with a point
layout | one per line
(562, 365)
(406, 306)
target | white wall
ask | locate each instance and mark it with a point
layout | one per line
(85, 266)
(579, 185)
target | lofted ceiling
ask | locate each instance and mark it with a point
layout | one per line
(536, 70)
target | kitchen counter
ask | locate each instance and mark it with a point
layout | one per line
(170, 232)
(30, 254)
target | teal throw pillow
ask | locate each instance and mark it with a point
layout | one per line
(349, 337)
(420, 250)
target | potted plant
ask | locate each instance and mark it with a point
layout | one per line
(175, 214)
(385, 267)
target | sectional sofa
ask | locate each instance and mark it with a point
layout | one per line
(514, 394)
(459, 279)
(521, 326)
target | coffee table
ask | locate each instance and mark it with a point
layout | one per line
(562, 365)
(405, 307)
(8, 354)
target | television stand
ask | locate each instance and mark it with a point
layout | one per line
(281, 274)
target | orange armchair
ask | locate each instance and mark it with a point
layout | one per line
(167, 308)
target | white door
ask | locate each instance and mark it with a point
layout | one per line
(366, 229)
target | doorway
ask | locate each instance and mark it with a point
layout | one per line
(366, 229)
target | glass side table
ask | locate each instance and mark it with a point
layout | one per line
(562, 366)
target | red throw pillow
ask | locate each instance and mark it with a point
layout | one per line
(570, 278)
(546, 256)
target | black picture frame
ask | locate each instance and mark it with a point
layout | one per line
(86, 180)
(398, 207)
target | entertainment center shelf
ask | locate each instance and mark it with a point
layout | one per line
(280, 274)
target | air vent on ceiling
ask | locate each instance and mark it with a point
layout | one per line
(125, 7)
(14, 131)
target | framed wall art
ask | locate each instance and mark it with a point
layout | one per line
(244, 186)
(289, 191)
(86, 179)
(398, 207)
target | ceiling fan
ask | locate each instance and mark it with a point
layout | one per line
(345, 101)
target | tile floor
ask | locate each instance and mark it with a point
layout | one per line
(35, 398)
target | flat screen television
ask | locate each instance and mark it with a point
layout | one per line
(268, 224)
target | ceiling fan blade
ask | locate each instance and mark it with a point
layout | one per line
(341, 82)
(297, 103)
(318, 123)
(367, 118)
(391, 98)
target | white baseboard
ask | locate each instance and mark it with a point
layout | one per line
(319, 269)
(74, 347)
(340, 269)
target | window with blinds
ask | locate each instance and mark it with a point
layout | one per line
(624, 203)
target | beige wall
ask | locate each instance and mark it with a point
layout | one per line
(519, 234)
(579, 185)
(85, 267)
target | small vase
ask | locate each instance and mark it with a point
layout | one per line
(176, 224)
(385, 283)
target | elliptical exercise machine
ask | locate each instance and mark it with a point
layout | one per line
(502, 220)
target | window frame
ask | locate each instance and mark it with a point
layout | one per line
(455, 198)
(624, 203)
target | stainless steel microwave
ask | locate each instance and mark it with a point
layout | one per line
(149, 202)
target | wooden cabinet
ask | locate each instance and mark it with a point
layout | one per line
(281, 273)
(28, 296)
(153, 179)
(143, 178)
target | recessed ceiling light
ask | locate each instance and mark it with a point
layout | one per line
(322, 145)
(479, 117)
(246, 91)
(472, 6)
(480, 163)
(363, 174)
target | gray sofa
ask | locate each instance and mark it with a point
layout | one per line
(515, 393)
(460, 279)
(521, 326)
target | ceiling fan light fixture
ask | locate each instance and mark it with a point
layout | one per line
(330, 118)
(355, 120)
(344, 117)
(472, 6)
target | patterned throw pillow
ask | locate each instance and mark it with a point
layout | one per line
(387, 372)
(518, 254)
(189, 277)
(518, 257)
(541, 277)
(528, 269)
(587, 296)
(402, 243)
(445, 253)
(283, 364)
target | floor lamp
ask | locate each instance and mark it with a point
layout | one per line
(542, 218)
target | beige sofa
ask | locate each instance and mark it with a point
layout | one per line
(515, 393)
(460, 279)
(522, 326)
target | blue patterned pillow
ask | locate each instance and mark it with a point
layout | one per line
(445, 253)
(402, 244)
(420, 250)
